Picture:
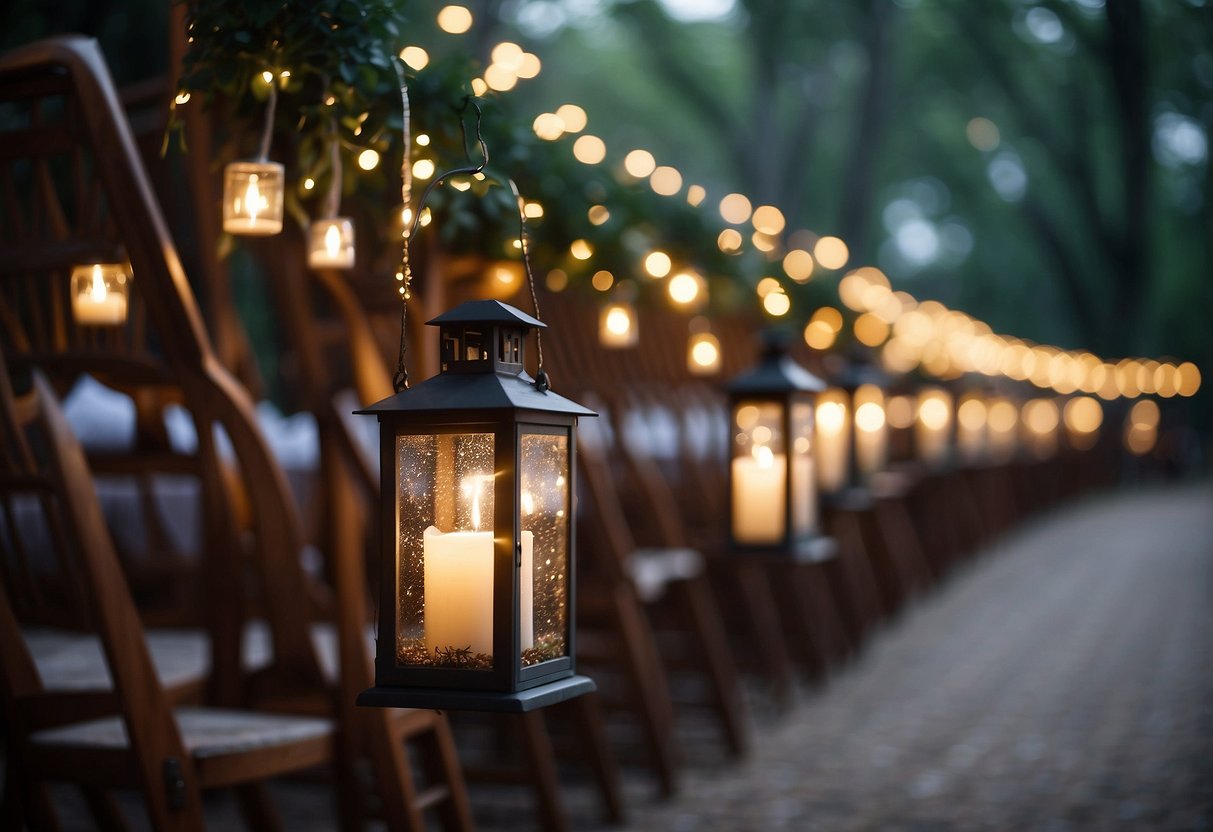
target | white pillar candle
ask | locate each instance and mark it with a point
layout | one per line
(458, 591)
(831, 446)
(759, 501)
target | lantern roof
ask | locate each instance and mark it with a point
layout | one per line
(486, 312)
(775, 372)
(482, 391)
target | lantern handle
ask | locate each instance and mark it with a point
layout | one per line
(542, 380)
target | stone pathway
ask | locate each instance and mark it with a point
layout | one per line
(1062, 682)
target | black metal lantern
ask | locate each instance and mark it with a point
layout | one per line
(477, 575)
(772, 493)
(852, 428)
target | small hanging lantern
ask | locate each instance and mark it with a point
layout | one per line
(933, 426)
(772, 495)
(331, 243)
(99, 293)
(477, 580)
(617, 325)
(253, 198)
(703, 349)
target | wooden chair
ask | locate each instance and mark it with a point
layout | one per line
(170, 755)
(672, 583)
(73, 187)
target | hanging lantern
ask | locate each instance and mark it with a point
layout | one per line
(900, 413)
(1002, 420)
(331, 244)
(1083, 416)
(252, 198)
(476, 586)
(933, 426)
(703, 348)
(1040, 419)
(99, 293)
(771, 490)
(971, 418)
(852, 431)
(617, 325)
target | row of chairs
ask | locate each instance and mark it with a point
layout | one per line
(118, 646)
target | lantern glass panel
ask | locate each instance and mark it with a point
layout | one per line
(444, 550)
(253, 198)
(760, 469)
(545, 517)
(804, 501)
(833, 439)
(871, 435)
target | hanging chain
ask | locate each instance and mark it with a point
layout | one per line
(413, 220)
(332, 200)
(404, 275)
(267, 132)
(541, 377)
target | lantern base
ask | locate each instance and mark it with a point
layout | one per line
(444, 699)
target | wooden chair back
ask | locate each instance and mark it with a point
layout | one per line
(72, 189)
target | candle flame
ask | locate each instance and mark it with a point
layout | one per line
(252, 198)
(332, 241)
(97, 292)
(764, 457)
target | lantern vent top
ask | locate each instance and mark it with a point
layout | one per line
(484, 336)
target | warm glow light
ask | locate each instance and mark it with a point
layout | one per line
(1189, 379)
(479, 87)
(1040, 415)
(1002, 416)
(416, 57)
(703, 357)
(619, 320)
(870, 330)
(602, 280)
(1083, 414)
(309, 183)
(507, 54)
(831, 252)
(982, 133)
(768, 219)
(666, 181)
(735, 209)
(533, 210)
(684, 287)
(573, 117)
(900, 412)
(1144, 414)
(423, 168)
(831, 416)
(548, 126)
(557, 280)
(581, 250)
(869, 417)
(529, 66)
(182, 98)
(972, 414)
(933, 412)
(777, 303)
(598, 214)
(454, 19)
(617, 326)
(589, 149)
(798, 265)
(500, 77)
(829, 316)
(729, 240)
(819, 335)
(696, 195)
(658, 263)
(639, 163)
(368, 159)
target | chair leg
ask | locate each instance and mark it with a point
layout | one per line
(588, 718)
(393, 776)
(722, 672)
(257, 807)
(541, 758)
(761, 614)
(104, 809)
(647, 679)
(441, 763)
